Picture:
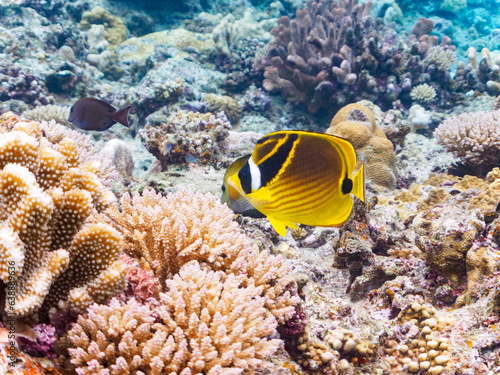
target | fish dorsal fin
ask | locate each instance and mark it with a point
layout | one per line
(280, 225)
(121, 116)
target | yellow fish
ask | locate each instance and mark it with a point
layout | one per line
(296, 177)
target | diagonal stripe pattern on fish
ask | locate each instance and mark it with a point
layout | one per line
(296, 177)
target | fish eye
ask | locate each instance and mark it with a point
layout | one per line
(223, 187)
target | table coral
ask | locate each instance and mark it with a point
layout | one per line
(356, 123)
(46, 195)
(187, 137)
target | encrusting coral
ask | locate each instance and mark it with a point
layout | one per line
(165, 233)
(225, 103)
(206, 324)
(445, 235)
(46, 194)
(356, 123)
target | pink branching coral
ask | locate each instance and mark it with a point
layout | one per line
(208, 324)
(474, 138)
(166, 232)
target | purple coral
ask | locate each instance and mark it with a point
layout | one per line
(44, 344)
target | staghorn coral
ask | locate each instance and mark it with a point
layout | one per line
(165, 233)
(185, 137)
(46, 194)
(356, 123)
(208, 324)
(474, 138)
(423, 93)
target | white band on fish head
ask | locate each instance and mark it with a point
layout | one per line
(255, 175)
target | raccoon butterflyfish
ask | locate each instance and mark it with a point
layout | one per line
(296, 177)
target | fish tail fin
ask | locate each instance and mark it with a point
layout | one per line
(280, 225)
(358, 182)
(121, 116)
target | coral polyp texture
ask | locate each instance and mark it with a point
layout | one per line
(356, 123)
(46, 194)
(205, 324)
(187, 137)
(165, 233)
(474, 138)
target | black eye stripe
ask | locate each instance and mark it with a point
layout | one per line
(245, 178)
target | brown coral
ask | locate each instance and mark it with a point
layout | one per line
(226, 104)
(356, 123)
(46, 194)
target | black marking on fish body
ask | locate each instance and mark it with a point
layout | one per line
(270, 167)
(271, 136)
(347, 185)
(245, 178)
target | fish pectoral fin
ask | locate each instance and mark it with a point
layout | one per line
(259, 197)
(280, 225)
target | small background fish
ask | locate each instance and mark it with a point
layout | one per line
(95, 114)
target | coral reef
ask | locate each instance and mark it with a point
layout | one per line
(187, 137)
(47, 113)
(334, 53)
(46, 196)
(356, 123)
(207, 324)
(313, 56)
(165, 233)
(114, 29)
(226, 104)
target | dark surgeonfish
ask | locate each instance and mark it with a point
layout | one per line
(296, 177)
(95, 114)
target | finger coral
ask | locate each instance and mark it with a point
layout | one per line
(48, 253)
(167, 232)
(185, 137)
(474, 138)
(208, 324)
(313, 56)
